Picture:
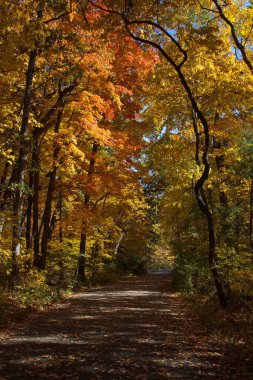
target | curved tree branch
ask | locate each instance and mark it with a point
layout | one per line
(238, 44)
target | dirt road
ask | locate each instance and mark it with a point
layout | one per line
(137, 329)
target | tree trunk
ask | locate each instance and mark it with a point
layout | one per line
(49, 199)
(251, 216)
(19, 170)
(3, 184)
(220, 165)
(60, 215)
(81, 277)
(204, 207)
(94, 255)
(35, 214)
(29, 212)
(62, 281)
(81, 261)
(118, 243)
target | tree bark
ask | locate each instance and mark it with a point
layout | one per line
(251, 216)
(49, 199)
(3, 184)
(35, 214)
(29, 212)
(81, 278)
(118, 243)
(94, 255)
(19, 169)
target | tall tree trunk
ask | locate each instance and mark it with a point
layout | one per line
(203, 204)
(62, 281)
(94, 255)
(53, 221)
(49, 199)
(29, 212)
(60, 216)
(118, 243)
(81, 277)
(35, 214)
(251, 216)
(220, 165)
(3, 184)
(19, 170)
(81, 260)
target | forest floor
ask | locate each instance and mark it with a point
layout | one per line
(137, 329)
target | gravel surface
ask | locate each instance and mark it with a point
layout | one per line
(138, 329)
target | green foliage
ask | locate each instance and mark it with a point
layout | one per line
(191, 272)
(129, 262)
(237, 267)
(162, 257)
(105, 276)
(61, 267)
(34, 291)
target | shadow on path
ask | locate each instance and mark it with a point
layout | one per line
(133, 330)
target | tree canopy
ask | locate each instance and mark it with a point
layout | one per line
(126, 141)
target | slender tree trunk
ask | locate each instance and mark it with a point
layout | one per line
(35, 214)
(251, 216)
(3, 184)
(49, 199)
(29, 212)
(220, 165)
(53, 221)
(94, 255)
(62, 282)
(60, 215)
(204, 207)
(47, 219)
(81, 278)
(19, 170)
(118, 243)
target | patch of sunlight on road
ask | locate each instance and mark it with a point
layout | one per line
(80, 317)
(148, 341)
(46, 339)
(119, 294)
(169, 311)
(170, 332)
(113, 310)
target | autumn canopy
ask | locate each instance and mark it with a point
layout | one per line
(126, 143)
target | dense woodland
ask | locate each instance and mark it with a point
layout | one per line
(126, 143)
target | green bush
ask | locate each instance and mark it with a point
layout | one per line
(192, 273)
(33, 290)
(105, 276)
(132, 263)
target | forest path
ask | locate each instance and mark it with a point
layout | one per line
(137, 329)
